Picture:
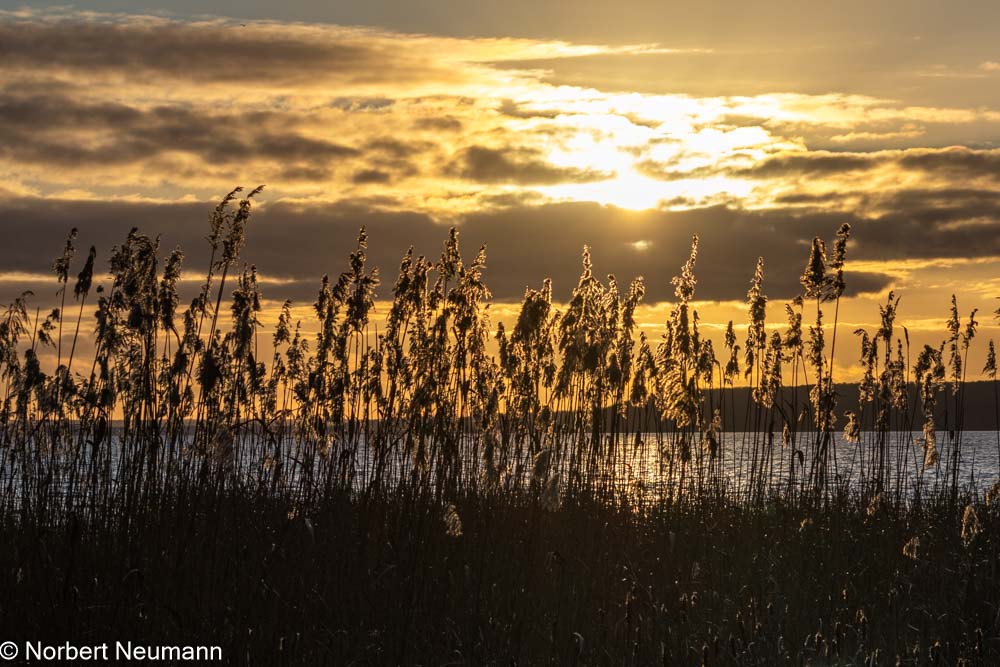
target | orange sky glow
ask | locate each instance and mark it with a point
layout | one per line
(532, 141)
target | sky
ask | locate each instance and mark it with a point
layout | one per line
(534, 130)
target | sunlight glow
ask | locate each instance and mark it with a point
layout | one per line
(628, 189)
(635, 192)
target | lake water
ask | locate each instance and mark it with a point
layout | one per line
(762, 462)
(652, 463)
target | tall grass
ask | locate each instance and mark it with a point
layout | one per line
(354, 460)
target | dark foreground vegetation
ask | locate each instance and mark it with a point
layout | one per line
(383, 582)
(423, 487)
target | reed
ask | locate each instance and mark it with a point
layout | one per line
(430, 487)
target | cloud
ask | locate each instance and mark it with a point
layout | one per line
(214, 52)
(229, 54)
(523, 166)
(371, 176)
(933, 164)
(957, 161)
(403, 133)
(162, 106)
(525, 243)
(62, 131)
(438, 123)
(815, 163)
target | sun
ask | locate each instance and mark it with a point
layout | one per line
(627, 189)
(612, 145)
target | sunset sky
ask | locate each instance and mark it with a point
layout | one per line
(532, 127)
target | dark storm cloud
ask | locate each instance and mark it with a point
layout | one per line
(730, 242)
(52, 107)
(525, 243)
(46, 129)
(284, 241)
(943, 207)
(368, 176)
(812, 198)
(524, 166)
(809, 164)
(217, 52)
(968, 216)
(814, 164)
(439, 123)
(953, 162)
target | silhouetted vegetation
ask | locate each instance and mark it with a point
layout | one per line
(427, 487)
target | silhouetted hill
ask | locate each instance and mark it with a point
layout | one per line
(977, 400)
